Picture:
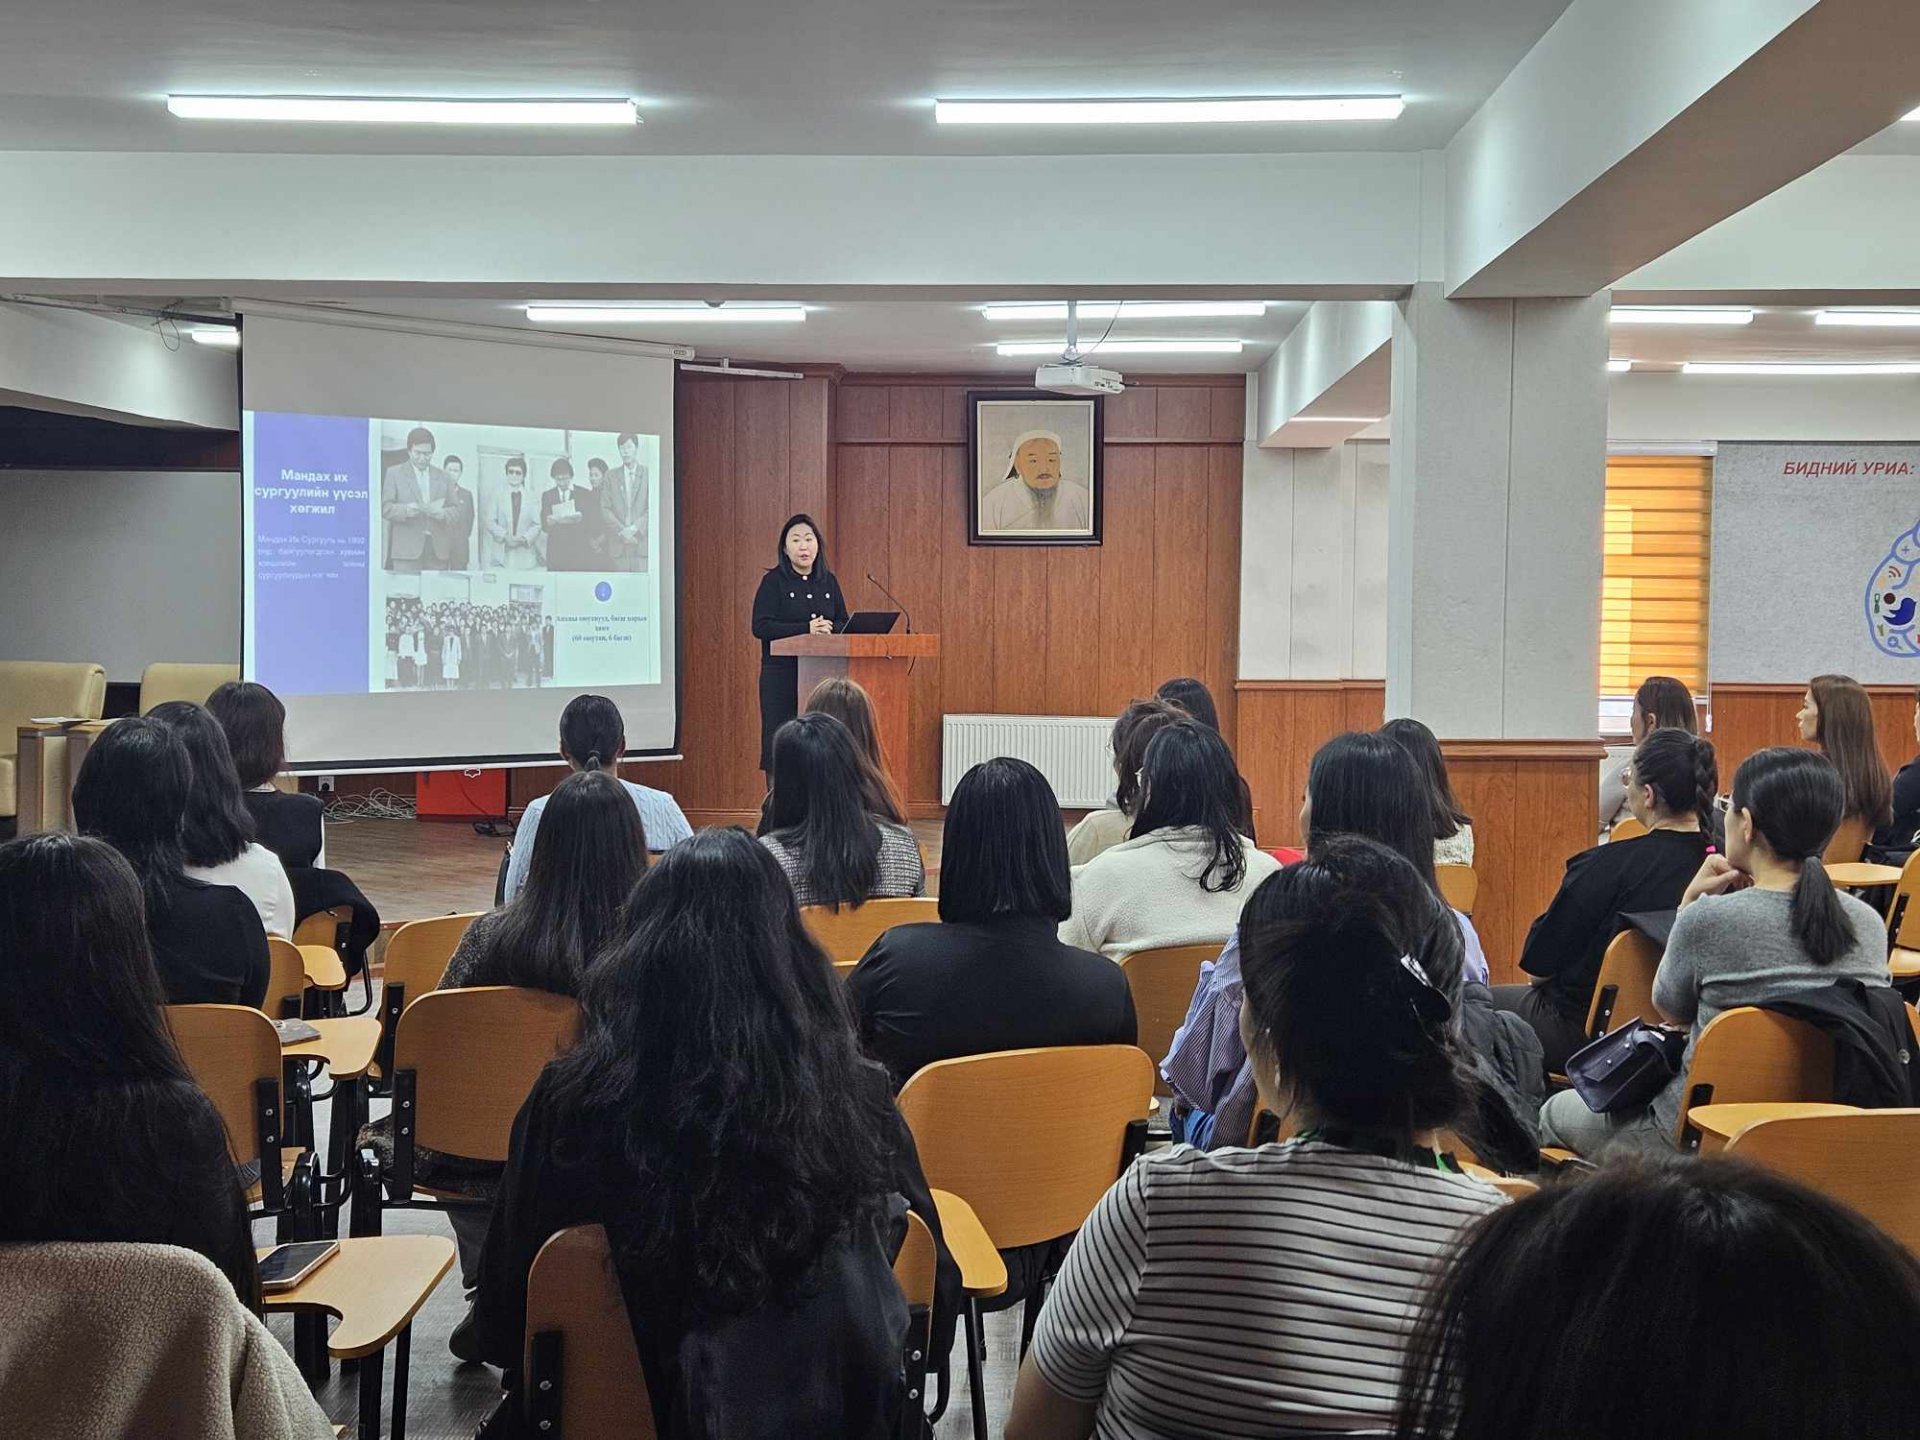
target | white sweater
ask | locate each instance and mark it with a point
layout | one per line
(1145, 893)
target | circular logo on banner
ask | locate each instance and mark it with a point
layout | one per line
(603, 592)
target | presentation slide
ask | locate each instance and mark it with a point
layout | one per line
(428, 588)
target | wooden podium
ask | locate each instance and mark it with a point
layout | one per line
(879, 664)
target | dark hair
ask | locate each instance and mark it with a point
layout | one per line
(1333, 1006)
(78, 989)
(1691, 1299)
(590, 851)
(1843, 729)
(1362, 783)
(517, 462)
(817, 808)
(1683, 772)
(560, 469)
(604, 467)
(592, 734)
(1004, 850)
(255, 724)
(850, 704)
(1796, 800)
(217, 826)
(1192, 696)
(624, 437)
(132, 793)
(718, 1073)
(1188, 779)
(820, 540)
(1669, 702)
(1417, 740)
(419, 435)
(1132, 732)
(453, 460)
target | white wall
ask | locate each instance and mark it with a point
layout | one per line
(1655, 407)
(120, 568)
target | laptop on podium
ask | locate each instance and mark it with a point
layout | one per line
(870, 622)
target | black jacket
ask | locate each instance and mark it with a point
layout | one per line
(1872, 1041)
(784, 605)
(1506, 1055)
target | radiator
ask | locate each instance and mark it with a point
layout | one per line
(1072, 751)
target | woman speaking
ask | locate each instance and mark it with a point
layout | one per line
(798, 596)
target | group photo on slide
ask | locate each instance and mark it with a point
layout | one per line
(459, 645)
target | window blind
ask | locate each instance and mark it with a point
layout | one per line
(1658, 534)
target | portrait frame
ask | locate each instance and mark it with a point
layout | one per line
(998, 418)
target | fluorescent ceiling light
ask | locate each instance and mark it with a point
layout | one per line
(1889, 319)
(1703, 367)
(224, 338)
(334, 110)
(1911, 115)
(746, 313)
(1129, 310)
(1123, 347)
(1619, 367)
(1248, 111)
(1681, 315)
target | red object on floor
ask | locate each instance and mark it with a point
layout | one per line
(460, 794)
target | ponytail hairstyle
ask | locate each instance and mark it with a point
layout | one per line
(592, 734)
(1341, 1003)
(1666, 704)
(1795, 800)
(1843, 730)
(1682, 771)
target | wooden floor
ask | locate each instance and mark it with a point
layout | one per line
(411, 869)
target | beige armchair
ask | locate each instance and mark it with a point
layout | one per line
(166, 680)
(30, 689)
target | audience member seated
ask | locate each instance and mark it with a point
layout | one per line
(748, 1163)
(542, 939)
(1100, 830)
(1903, 832)
(1670, 786)
(1452, 826)
(1693, 1300)
(1759, 922)
(1358, 784)
(1187, 694)
(1257, 1292)
(1661, 703)
(293, 826)
(103, 1134)
(208, 943)
(1837, 715)
(817, 825)
(217, 835)
(848, 702)
(593, 736)
(1188, 869)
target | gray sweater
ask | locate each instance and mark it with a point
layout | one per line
(1733, 950)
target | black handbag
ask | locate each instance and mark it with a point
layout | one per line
(1621, 1072)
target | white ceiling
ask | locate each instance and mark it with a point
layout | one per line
(1781, 334)
(751, 76)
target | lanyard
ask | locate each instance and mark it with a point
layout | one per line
(1416, 1155)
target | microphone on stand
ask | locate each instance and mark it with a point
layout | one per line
(893, 597)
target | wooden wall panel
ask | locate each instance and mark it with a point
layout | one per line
(1745, 718)
(1281, 724)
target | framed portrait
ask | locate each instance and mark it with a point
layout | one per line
(1034, 464)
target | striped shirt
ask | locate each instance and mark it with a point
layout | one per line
(1262, 1292)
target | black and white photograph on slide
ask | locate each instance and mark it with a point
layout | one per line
(457, 497)
(451, 639)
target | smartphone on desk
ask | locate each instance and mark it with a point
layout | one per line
(285, 1266)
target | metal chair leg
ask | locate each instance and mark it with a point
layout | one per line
(976, 1374)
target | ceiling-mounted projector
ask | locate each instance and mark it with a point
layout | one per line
(1078, 379)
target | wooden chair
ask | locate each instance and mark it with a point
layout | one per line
(1869, 1160)
(233, 1054)
(1626, 828)
(415, 961)
(1163, 982)
(1751, 1054)
(328, 930)
(1459, 886)
(1624, 989)
(1030, 1139)
(846, 933)
(286, 979)
(464, 1062)
(1848, 842)
(583, 1374)
(1903, 916)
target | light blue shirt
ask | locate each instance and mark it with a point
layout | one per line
(660, 817)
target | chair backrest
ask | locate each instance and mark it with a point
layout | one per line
(166, 680)
(916, 1264)
(30, 688)
(1748, 1054)
(1459, 886)
(1903, 914)
(583, 1370)
(1163, 982)
(286, 979)
(417, 956)
(1031, 1139)
(1869, 1160)
(233, 1054)
(1626, 828)
(1848, 842)
(324, 927)
(846, 933)
(1624, 990)
(473, 1056)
